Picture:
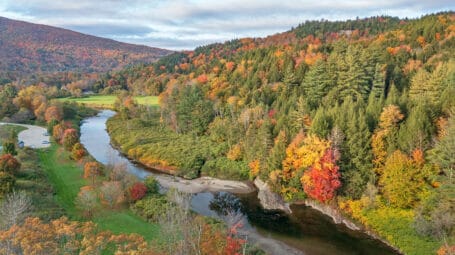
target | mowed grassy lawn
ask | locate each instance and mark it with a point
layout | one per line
(66, 177)
(109, 100)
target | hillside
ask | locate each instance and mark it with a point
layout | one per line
(357, 114)
(31, 48)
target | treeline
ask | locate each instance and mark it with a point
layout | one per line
(326, 111)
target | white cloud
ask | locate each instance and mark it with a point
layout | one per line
(179, 24)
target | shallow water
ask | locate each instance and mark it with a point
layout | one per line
(306, 231)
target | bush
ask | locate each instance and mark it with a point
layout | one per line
(152, 185)
(7, 182)
(9, 164)
(9, 148)
(138, 191)
(151, 207)
(78, 151)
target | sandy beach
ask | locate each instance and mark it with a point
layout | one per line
(204, 184)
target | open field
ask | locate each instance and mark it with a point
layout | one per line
(66, 177)
(109, 100)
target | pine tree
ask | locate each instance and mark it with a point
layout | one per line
(316, 84)
(418, 128)
(378, 88)
(357, 160)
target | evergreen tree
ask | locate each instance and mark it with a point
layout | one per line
(418, 128)
(357, 159)
(378, 88)
(316, 84)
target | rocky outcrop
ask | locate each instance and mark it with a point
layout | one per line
(269, 199)
(332, 212)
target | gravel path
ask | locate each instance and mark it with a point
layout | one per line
(33, 136)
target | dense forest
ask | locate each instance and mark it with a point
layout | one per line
(357, 114)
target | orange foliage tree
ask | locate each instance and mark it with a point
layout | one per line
(53, 113)
(92, 170)
(70, 138)
(9, 164)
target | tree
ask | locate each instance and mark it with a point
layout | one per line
(443, 152)
(57, 132)
(152, 184)
(53, 113)
(378, 88)
(78, 151)
(92, 170)
(7, 182)
(357, 157)
(9, 164)
(418, 129)
(14, 208)
(9, 147)
(70, 138)
(402, 180)
(316, 84)
(137, 191)
(112, 193)
(87, 200)
(321, 180)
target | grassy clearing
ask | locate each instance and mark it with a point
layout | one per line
(66, 178)
(109, 100)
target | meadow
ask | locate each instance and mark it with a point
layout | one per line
(107, 101)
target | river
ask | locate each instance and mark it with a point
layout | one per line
(305, 231)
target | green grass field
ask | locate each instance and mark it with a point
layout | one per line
(109, 100)
(66, 177)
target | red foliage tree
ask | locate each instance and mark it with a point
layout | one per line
(138, 191)
(322, 179)
(9, 164)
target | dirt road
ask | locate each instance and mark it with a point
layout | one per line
(33, 136)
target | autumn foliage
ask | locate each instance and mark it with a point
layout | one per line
(9, 164)
(138, 191)
(70, 138)
(92, 170)
(62, 236)
(322, 180)
(53, 113)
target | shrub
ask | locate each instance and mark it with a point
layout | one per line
(78, 151)
(7, 182)
(152, 207)
(9, 164)
(9, 148)
(138, 191)
(152, 184)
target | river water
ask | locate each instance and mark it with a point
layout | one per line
(305, 231)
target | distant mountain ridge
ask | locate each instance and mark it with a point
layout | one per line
(32, 48)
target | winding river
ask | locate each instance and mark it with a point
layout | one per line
(305, 231)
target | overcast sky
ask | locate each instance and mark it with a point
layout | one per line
(186, 24)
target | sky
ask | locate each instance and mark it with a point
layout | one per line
(186, 24)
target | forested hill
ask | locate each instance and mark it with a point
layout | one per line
(31, 48)
(358, 114)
